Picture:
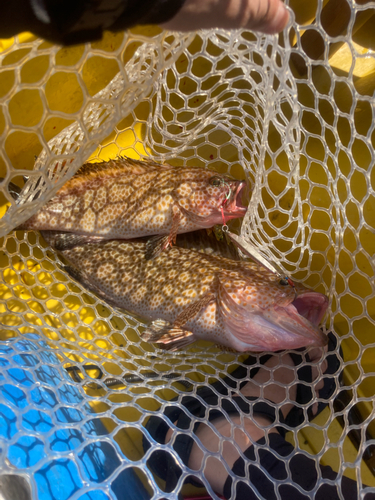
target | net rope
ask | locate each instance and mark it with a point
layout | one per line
(294, 115)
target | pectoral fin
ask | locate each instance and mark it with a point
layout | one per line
(171, 338)
(193, 309)
(155, 246)
(158, 244)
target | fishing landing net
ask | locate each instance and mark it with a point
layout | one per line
(293, 114)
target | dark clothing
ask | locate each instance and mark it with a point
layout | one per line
(303, 471)
(76, 21)
(263, 471)
(266, 470)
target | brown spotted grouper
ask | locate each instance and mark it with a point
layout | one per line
(126, 198)
(189, 295)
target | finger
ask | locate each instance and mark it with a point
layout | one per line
(267, 16)
(272, 17)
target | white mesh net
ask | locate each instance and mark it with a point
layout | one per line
(294, 115)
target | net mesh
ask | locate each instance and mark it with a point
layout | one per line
(294, 115)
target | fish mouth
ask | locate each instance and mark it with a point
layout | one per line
(297, 323)
(284, 325)
(302, 316)
(311, 306)
(235, 205)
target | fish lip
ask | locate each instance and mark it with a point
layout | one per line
(235, 205)
(312, 306)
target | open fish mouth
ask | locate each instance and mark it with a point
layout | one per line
(300, 319)
(312, 306)
(238, 194)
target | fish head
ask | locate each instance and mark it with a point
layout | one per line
(267, 315)
(206, 196)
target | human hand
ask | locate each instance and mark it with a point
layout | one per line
(266, 16)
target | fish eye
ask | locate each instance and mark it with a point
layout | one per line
(284, 282)
(215, 181)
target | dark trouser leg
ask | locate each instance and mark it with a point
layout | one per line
(303, 471)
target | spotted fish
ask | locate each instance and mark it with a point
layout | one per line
(188, 295)
(126, 198)
(207, 241)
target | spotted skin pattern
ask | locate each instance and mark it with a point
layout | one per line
(231, 303)
(127, 198)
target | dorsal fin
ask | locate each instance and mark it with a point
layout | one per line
(120, 163)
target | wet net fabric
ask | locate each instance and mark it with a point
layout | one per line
(294, 115)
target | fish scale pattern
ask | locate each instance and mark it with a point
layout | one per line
(294, 115)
